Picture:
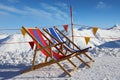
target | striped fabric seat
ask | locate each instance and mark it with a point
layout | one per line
(54, 33)
(36, 33)
(44, 44)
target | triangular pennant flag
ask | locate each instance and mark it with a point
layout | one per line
(94, 29)
(31, 44)
(87, 39)
(23, 32)
(65, 28)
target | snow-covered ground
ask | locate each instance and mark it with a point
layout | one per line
(15, 58)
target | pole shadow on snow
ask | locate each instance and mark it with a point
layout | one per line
(10, 71)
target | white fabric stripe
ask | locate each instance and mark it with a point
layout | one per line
(57, 35)
(61, 40)
(51, 37)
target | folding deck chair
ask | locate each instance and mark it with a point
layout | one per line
(57, 37)
(46, 48)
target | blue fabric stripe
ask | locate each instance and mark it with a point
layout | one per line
(37, 37)
(40, 41)
(55, 34)
(51, 37)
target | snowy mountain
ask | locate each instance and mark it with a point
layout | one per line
(84, 28)
(115, 27)
(101, 37)
(15, 50)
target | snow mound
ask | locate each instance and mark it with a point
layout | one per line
(111, 44)
(15, 53)
(111, 48)
(104, 68)
(2, 36)
(101, 37)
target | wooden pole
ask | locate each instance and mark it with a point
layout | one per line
(71, 23)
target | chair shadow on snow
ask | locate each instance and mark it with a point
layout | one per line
(82, 65)
(10, 71)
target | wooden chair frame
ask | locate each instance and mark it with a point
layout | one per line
(53, 60)
(70, 42)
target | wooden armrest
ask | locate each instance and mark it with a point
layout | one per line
(59, 43)
(52, 45)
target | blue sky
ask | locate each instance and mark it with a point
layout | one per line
(31, 13)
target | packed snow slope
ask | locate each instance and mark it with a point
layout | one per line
(16, 55)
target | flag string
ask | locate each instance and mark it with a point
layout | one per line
(68, 36)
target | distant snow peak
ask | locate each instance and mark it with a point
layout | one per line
(84, 28)
(115, 27)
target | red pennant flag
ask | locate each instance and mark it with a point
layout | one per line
(31, 44)
(65, 28)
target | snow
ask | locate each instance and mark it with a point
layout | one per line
(16, 57)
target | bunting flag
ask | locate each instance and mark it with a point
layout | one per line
(23, 32)
(94, 29)
(65, 28)
(31, 44)
(87, 39)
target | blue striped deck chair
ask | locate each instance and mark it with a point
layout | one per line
(44, 45)
(57, 37)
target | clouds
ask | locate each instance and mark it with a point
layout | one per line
(101, 5)
(8, 9)
(104, 5)
(3, 13)
(45, 13)
(56, 11)
(13, 1)
(29, 11)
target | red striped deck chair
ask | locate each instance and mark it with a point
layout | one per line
(46, 48)
(57, 37)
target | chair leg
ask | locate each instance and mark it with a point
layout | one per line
(82, 61)
(33, 61)
(89, 57)
(71, 62)
(63, 69)
(35, 52)
(46, 59)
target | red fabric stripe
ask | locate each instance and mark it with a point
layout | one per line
(31, 32)
(43, 51)
(41, 37)
(56, 55)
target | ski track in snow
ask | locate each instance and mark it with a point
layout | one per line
(15, 58)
